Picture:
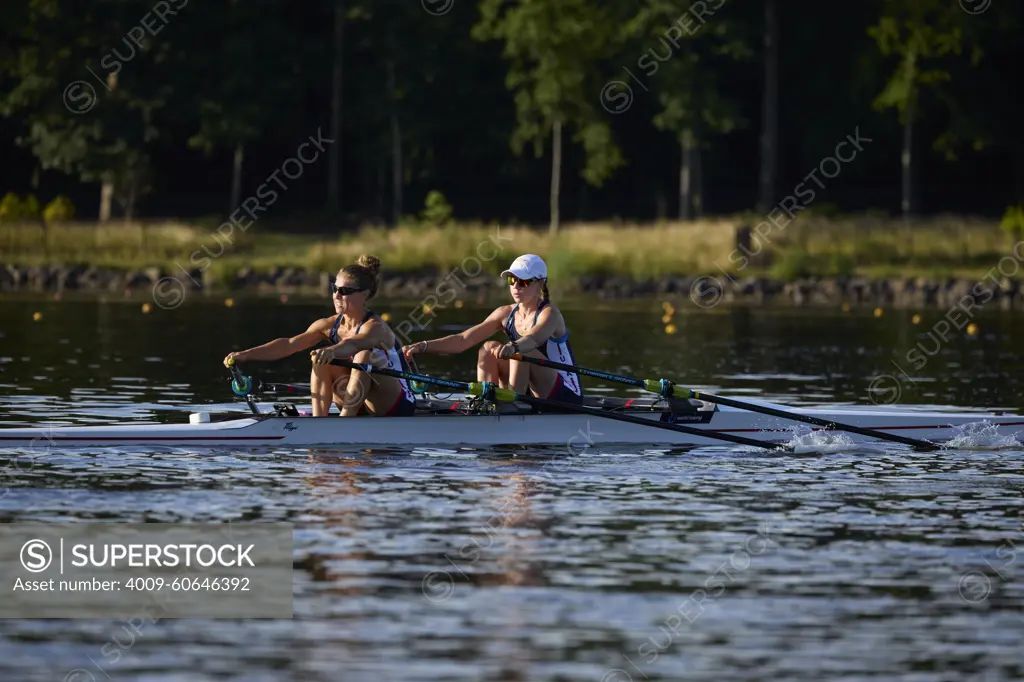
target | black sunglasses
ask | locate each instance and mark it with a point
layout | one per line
(513, 281)
(344, 291)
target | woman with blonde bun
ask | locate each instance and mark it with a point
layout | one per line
(354, 333)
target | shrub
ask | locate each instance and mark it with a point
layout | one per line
(1013, 221)
(436, 210)
(30, 208)
(10, 208)
(60, 210)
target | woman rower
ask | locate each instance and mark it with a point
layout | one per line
(354, 333)
(534, 327)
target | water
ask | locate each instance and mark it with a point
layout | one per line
(700, 564)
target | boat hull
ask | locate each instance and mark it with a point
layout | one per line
(574, 432)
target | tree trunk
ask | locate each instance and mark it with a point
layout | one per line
(236, 178)
(686, 175)
(909, 201)
(334, 156)
(382, 183)
(697, 183)
(556, 172)
(770, 107)
(107, 186)
(396, 149)
(106, 197)
(129, 204)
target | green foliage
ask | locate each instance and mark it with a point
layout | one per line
(459, 89)
(1013, 221)
(30, 208)
(60, 210)
(14, 209)
(794, 264)
(436, 209)
(689, 89)
(10, 208)
(553, 48)
(253, 72)
(928, 38)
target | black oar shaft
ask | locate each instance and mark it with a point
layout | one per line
(465, 386)
(792, 416)
(678, 428)
(817, 421)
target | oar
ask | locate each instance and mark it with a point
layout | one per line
(665, 388)
(241, 385)
(489, 391)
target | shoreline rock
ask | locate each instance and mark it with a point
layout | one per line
(701, 290)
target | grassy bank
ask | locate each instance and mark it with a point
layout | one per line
(811, 245)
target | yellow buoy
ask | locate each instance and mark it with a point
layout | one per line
(666, 318)
(878, 312)
(458, 304)
(916, 319)
(229, 302)
(146, 308)
(426, 309)
(37, 316)
(972, 329)
(666, 305)
(845, 307)
(670, 329)
(385, 316)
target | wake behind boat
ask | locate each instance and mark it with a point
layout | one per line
(462, 420)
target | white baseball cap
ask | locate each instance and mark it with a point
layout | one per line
(527, 266)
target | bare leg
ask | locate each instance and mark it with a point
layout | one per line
(358, 387)
(323, 379)
(523, 375)
(519, 375)
(384, 391)
(377, 393)
(489, 367)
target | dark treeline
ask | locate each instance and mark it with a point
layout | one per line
(182, 108)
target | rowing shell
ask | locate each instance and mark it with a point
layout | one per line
(571, 431)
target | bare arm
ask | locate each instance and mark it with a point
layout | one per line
(283, 347)
(458, 343)
(375, 334)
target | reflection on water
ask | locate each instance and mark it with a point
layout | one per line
(505, 564)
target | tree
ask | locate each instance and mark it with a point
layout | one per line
(770, 107)
(99, 134)
(684, 70)
(334, 201)
(244, 81)
(553, 48)
(923, 35)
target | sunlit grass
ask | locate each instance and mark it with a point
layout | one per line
(811, 245)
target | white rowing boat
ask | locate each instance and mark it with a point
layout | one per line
(443, 422)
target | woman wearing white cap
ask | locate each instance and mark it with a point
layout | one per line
(534, 327)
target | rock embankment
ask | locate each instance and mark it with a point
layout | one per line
(704, 291)
(905, 292)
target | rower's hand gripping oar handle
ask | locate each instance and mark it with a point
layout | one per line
(241, 385)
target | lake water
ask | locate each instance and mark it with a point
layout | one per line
(425, 564)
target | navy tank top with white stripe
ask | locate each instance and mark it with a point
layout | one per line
(395, 357)
(556, 349)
